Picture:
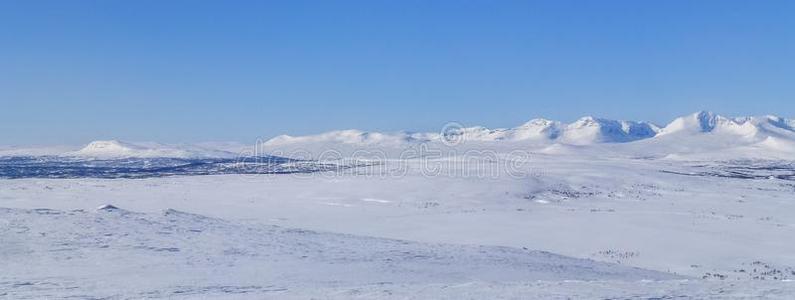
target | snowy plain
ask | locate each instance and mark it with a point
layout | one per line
(598, 209)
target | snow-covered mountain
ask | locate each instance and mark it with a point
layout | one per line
(117, 149)
(75, 245)
(591, 130)
(698, 135)
(750, 127)
(701, 133)
(587, 130)
(705, 135)
(352, 136)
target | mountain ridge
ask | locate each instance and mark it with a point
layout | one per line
(701, 132)
(586, 130)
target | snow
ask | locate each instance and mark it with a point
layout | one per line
(247, 234)
(689, 137)
(748, 127)
(97, 253)
(9, 151)
(590, 130)
(693, 137)
(538, 129)
(587, 130)
(117, 149)
(596, 209)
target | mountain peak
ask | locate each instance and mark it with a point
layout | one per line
(104, 148)
(109, 145)
(751, 128)
(707, 120)
(702, 121)
(589, 130)
(539, 122)
(587, 121)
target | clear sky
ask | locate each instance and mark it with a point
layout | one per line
(188, 71)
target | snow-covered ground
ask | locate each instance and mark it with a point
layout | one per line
(117, 252)
(701, 208)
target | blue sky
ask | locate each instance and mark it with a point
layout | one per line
(188, 71)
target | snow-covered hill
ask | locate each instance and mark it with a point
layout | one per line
(371, 233)
(182, 254)
(117, 149)
(591, 130)
(9, 151)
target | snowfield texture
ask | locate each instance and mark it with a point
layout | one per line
(699, 209)
(96, 254)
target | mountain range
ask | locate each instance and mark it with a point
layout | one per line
(700, 134)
